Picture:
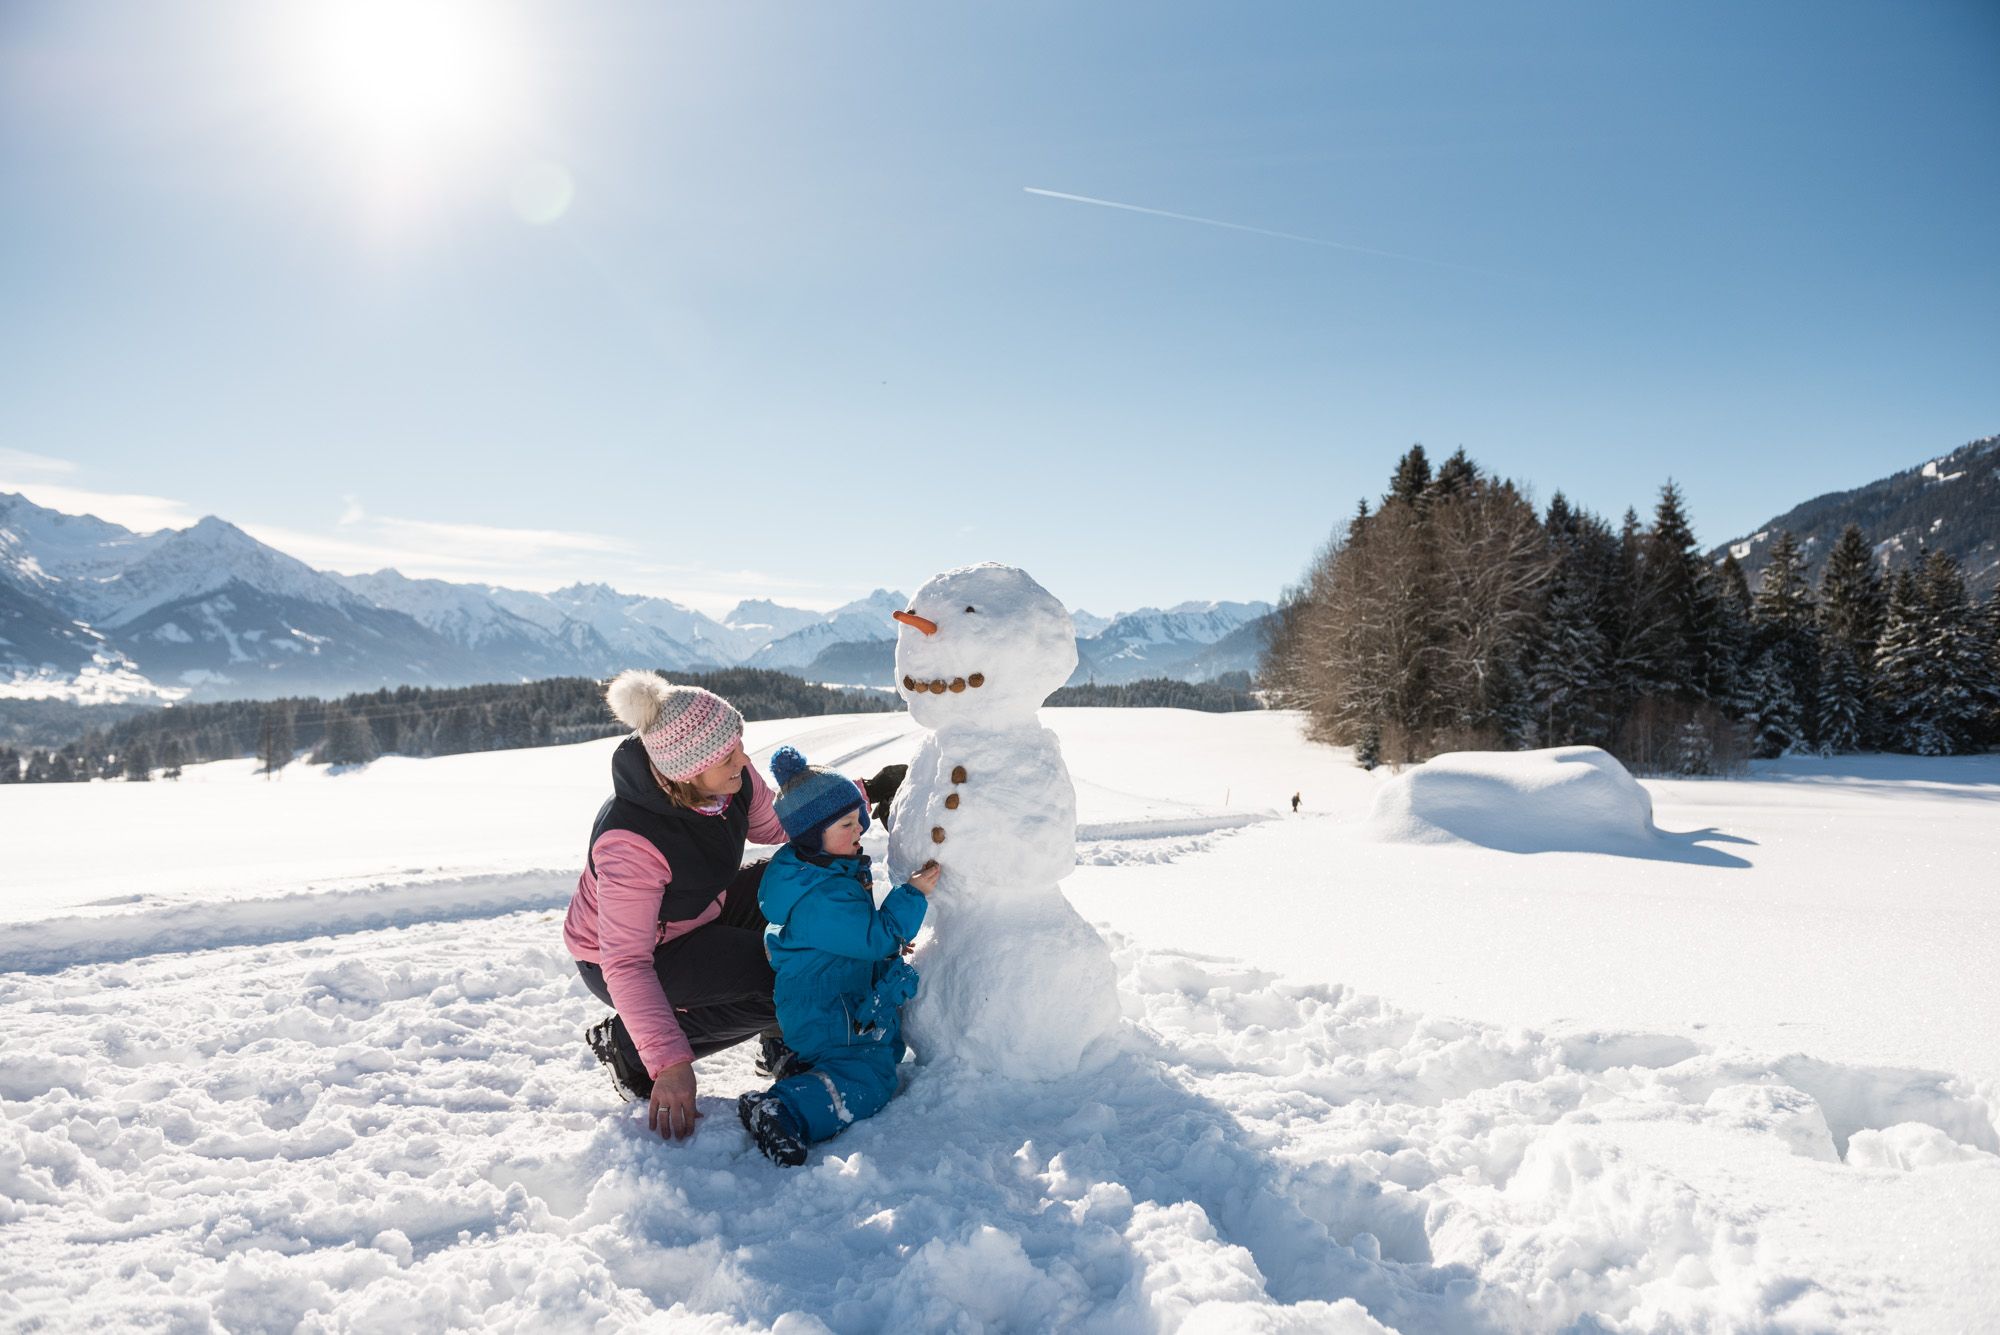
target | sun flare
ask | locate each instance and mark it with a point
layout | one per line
(411, 80)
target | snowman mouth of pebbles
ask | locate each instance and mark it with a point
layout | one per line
(938, 685)
(971, 681)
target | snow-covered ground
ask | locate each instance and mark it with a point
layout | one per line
(306, 1054)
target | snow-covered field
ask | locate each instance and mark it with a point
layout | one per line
(306, 1055)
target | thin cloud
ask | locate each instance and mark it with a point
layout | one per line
(21, 461)
(522, 542)
(141, 514)
(1255, 231)
(429, 549)
(536, 560)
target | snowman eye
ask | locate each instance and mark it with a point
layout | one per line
(971, 609)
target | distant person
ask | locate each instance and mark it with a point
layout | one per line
(664, 925)
(1295, 804)
(842, 980)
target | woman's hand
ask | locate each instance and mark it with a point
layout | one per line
(925, 878)
(881, 788)
(672, 1113)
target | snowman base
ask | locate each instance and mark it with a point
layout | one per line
(1027, 991)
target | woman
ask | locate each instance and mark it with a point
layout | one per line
(664, 924)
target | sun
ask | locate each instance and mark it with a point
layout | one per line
(411, 82)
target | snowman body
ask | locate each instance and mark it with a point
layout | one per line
(1014, 981)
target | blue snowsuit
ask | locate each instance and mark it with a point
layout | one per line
(841, 982)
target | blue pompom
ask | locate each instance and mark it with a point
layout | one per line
(785, 763)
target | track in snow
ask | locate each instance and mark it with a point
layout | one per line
(400, 1128)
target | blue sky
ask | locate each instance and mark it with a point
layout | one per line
(723, 301)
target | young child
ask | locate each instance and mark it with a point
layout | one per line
(841, 976)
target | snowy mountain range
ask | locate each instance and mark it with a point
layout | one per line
(93, 611)
(1949, 504)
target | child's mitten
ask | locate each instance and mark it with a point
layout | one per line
(896, 986)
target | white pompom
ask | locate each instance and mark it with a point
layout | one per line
(635, 697)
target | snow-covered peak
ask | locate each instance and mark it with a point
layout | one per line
(583, 597)
(43, 548)
(879, 603)
(431, 601)
(201, 559)
(1191, 622)
(1241, 611)
(709, 639)
(862, 620)
(1089, 623)
(771, 620)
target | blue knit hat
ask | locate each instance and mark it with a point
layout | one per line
(810, 798)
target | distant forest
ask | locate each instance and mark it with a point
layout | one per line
(407, 720)
(437, 721)
(1454, 617)
(1227, 694)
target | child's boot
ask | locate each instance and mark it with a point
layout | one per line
(775, 1060)
(769, 1122)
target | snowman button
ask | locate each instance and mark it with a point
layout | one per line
(958, 774)
(937, 834)
(976, 679)
(951, 803)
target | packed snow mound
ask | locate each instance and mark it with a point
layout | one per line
(1566, 799)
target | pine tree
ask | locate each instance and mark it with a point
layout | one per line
(38, 768)
(1560, 520)
(1568, 676)
(513, 727)
(456, 732)
(276, 739)
(1901, 669)
(138, 763)
(1664, 653)
(1412, 477)
(1782, 616)
(1843, 698)
(1851, 599)
(1992, 628)
(1956, 695)
(1456, 477)
(1694, 753)
(1728, 639)
(349, 739)
(1774, 709)
(1368, 752)
(172, 755)
(1852, 605)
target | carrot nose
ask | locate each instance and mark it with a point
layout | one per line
(924, 624)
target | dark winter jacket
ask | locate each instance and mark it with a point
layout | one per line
(655, 871)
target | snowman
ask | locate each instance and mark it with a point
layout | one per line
(1014, 981)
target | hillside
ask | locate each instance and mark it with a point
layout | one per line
(1949, 504)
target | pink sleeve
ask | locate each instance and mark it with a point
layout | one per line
(631, 877)
(764, 826)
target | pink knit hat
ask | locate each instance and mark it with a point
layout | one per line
(683, 728)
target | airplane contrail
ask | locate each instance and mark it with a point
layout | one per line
(1245, 227)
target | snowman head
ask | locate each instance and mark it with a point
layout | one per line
(982, 645)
